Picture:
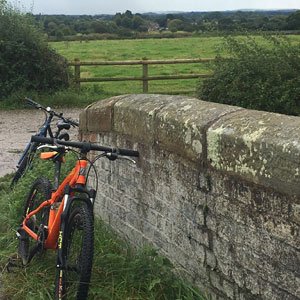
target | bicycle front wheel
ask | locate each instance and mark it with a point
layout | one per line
(39, 192)
(72, 281)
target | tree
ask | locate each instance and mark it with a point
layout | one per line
(126, 22)
(137, 22)
(162, 21)
(128, 14)
(26, 61)
(52, 27)
(100, 27)
(293, 21)
(118, 19)
(175, 25)
(82, 26)
(226, 24)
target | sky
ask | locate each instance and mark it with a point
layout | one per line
(93, 7)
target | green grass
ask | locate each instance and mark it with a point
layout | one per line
(138, 49)
(119, 272)
(65, 98)
(118, 50)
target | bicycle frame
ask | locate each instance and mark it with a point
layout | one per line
(42, 132)
(45, 130)
(74, 179)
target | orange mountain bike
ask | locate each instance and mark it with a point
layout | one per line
(61, 218)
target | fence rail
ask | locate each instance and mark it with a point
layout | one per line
(145, 78)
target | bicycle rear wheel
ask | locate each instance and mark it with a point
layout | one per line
(39, 192)
(72, 281)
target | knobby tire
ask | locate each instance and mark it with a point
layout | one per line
(39, 192)
(77, 247)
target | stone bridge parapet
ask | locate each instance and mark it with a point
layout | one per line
(216, 189)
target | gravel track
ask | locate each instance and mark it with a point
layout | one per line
(16, 128)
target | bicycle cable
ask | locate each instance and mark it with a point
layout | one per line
(91, 165)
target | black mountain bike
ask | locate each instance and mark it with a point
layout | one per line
(45, 130)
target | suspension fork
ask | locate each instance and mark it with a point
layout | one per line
(68, 201)
(64, 218)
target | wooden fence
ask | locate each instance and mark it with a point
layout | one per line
(145, 78)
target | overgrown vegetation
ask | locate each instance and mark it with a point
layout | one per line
(26, 61)
(257, 75)
(62, 98)
(119, 271)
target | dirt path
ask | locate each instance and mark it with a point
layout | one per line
(16, 128)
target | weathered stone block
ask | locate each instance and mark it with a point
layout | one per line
(261, 147)
(134, 115)
(99, 116)
(181, 125)
(216, 189)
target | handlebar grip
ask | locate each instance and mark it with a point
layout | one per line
(128, 152)
(33, 103)
(42, 140)
(66, 120)
(74, 123)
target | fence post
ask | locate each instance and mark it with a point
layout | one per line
(77, 73)
(145, 75)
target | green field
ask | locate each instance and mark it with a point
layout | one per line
(119, 50)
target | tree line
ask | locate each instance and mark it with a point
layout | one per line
(128, 24)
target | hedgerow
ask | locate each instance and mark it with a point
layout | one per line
(26, 61)
(263, 75)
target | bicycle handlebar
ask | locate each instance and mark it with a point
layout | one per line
(39, 106)
(33, 103)
(86, 146)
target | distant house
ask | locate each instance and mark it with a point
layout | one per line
(163, 29)
(153, 26)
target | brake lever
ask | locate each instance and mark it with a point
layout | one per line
(128, 159)
(58, 148)
(113, 156)
(72, 122)
(53, 147)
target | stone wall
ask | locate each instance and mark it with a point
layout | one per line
(216, 189)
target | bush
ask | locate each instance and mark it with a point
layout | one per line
(262, 75)
(26, 61)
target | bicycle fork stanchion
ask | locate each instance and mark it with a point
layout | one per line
(60, 263)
